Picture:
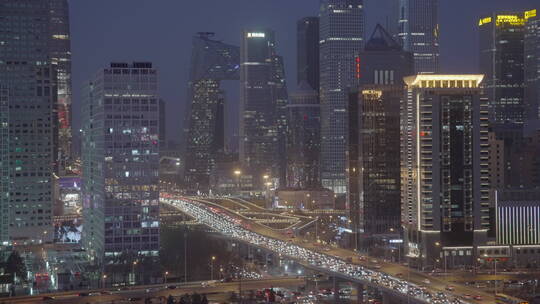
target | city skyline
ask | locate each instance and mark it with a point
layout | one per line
(171, 53)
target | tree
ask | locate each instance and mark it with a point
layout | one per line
(15, 265)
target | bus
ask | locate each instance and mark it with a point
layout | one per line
(506, 299)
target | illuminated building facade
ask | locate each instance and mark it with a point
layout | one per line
(28, 98)
(532, 65)
(308, 51)
(374, 162)
(419, 33)
(60, 54)
(518, 217)
(211, 62)
(341, 28)
(502, 61)
(304, 137)
(120, 156)
(263, 101)
(444, 166)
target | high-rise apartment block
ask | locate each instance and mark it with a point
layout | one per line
(419, 33)
(28, 102)
(263, 101)
(444, 167)
(121, 162)
(308, 51)
(341, 28)
(212, 61)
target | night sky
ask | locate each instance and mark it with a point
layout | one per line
(160, 31)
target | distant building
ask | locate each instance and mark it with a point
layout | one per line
(444, 167)
(162, 124)
(374, 161)
(341, 28)
(263, 101)
(518, 217)
(28, 120)
(514, 162)
(60, 54)
(374, 140)
(383, 61)
(532, 65)
(419, 33)
(307, 31)
(502, 60)
(303, 147)
(212, 61)
(121, 162)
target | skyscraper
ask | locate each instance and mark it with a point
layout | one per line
(303, 145)
(373, 198)
(444, 167)
(28, 102)
(263, 100)
(532, 65)
(341, 31)
(120, 156)
(502, 61)
(307, 31)
(419, 33)
(60, 54)
(211, 62)
(383, 61)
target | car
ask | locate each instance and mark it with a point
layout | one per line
(171, 287)
(467, 296)
(450, 288)
(47, 298)
(478, 298)
(399, 275)
(426, 281)
(134, 299)
(105, 292)
(83, 294)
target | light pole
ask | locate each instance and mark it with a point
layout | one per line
(133, 271)
(237, 173)
(212, 268)
(166, 274)
(104, 277)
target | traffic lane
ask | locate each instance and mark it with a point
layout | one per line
(160, 291)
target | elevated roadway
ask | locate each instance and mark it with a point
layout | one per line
(410, 287)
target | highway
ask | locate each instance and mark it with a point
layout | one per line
(412, 285)
(152, 291)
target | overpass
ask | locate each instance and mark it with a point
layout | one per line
(337, 264)
(119, 295)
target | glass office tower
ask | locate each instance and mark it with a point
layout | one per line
(419, 33)
(263, 101)
(341, 29)
(308, 51)
(28, 102)
(212, 61)
(120, 156)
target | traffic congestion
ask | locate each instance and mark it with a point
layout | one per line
(233, 228)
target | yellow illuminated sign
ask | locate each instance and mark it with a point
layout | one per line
(530, 14)
(510, 20)
(485, 21)
(376, 93)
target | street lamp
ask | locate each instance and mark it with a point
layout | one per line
(237, 173)
(166, 274)
(104, 280)
(212, 268)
